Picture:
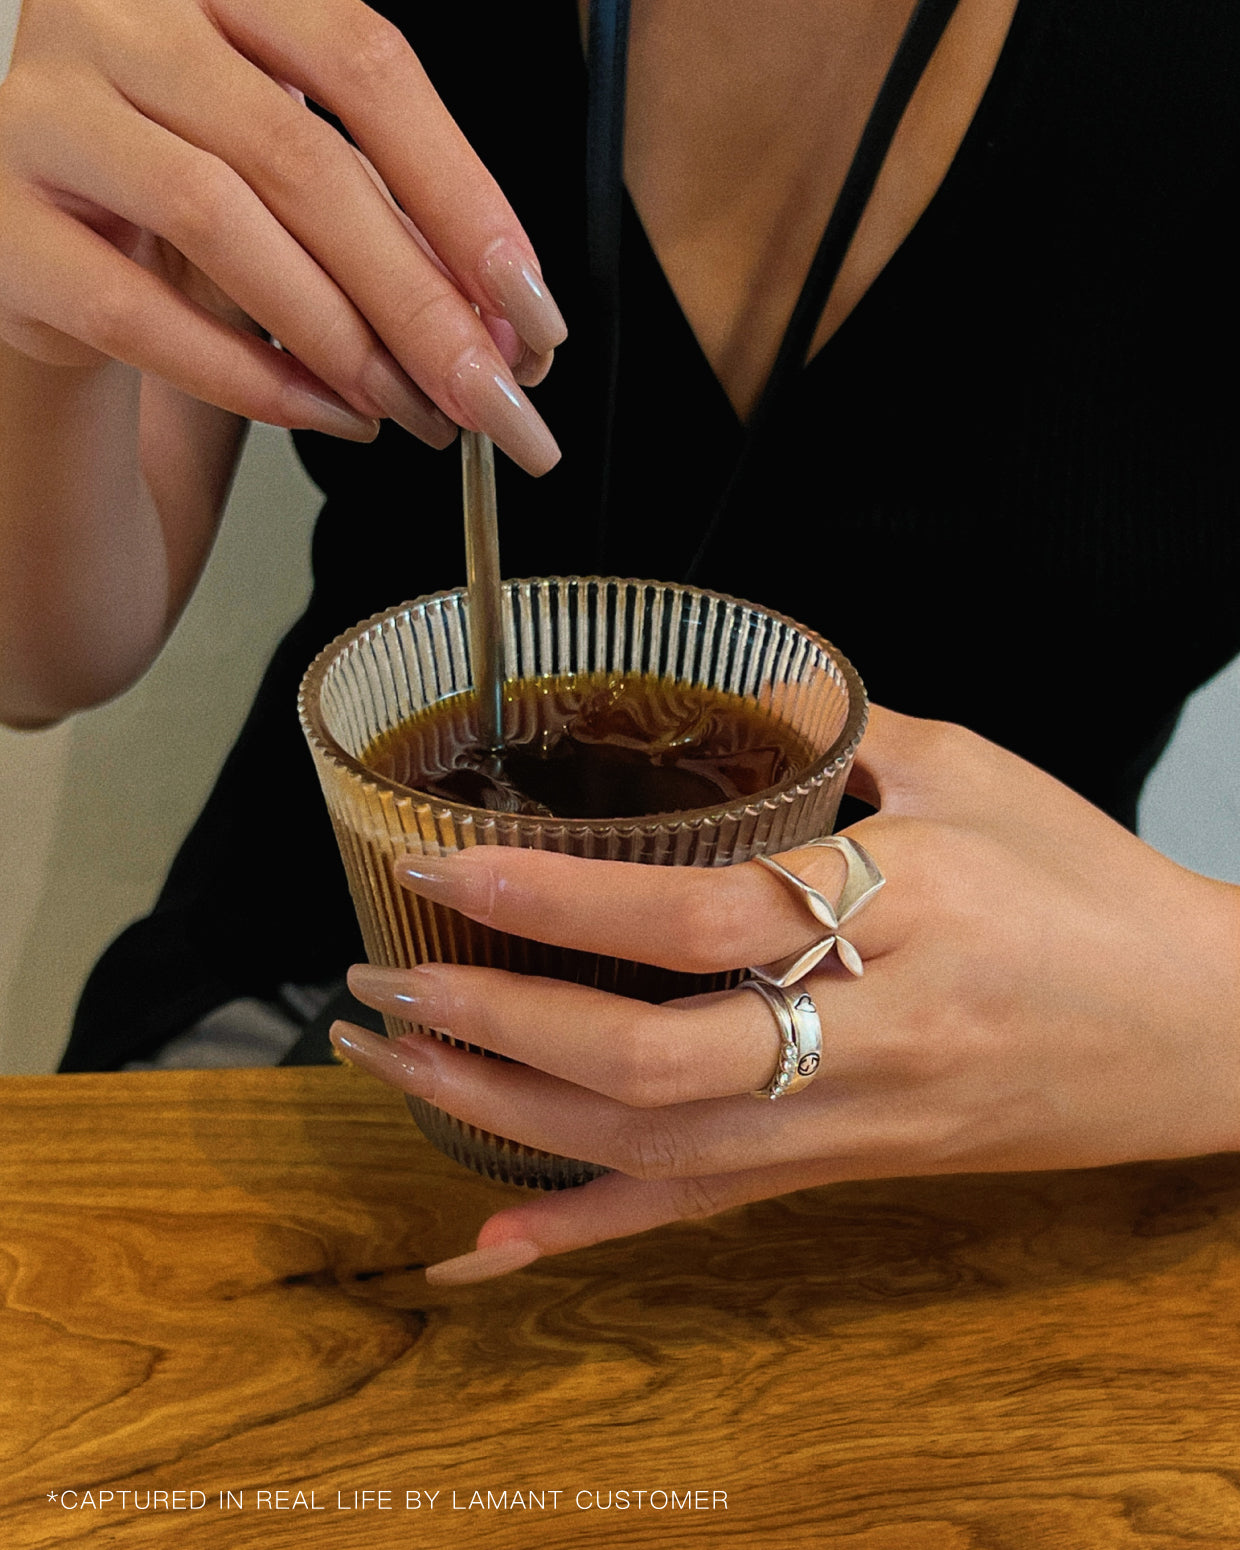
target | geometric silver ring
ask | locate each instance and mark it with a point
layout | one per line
(862, 880)
(800, 1038)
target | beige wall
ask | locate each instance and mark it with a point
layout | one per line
(92, 810)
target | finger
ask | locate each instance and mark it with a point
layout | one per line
(357, 64)
(714, 1045)
(852, 1128)
(528, 366)
(316, 188)
(711, 1046)
(614, 1206)
(697, 919)
(67, 278)
(372, 172)
(155, 181)
(551, 1115)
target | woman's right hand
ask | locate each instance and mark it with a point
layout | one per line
(163, 183)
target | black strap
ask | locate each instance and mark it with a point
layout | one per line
(604, 194)
(607, 50)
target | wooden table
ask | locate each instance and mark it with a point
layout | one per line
(211, 1285)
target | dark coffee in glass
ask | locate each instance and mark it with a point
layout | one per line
(653, 724)
(594, 746)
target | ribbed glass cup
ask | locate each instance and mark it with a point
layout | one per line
(391, 667)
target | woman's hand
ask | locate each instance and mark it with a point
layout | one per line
(167, 201)
(163, 182)
(1041, 990)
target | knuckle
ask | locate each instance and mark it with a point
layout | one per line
(299, 151)
(943, 736)
(697, 1197)
(433, 310)
(338, 345)
(940, 1048)
(116, 35)
(651, 1146)
(949, 747)
(928, 857)
(373, 53)
(644, 1072)
(733, 911)
(919, 1140)
(709, 923)
(342, 339)
(915, 1058)
(201, 206)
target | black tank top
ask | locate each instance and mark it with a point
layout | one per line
(1019, 510)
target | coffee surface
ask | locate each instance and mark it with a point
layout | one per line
(594, 746)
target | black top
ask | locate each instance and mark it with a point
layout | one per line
(1005, 487)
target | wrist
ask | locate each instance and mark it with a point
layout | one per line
(1209, 1016)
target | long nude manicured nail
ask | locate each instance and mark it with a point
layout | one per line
(520, 294)
(393, 990)
(402, 400)
(483, 1264)
(322, 412)
(490, 397)
(443, 880)
(368, 1052)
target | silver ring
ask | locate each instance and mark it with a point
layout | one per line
(800, 1038)
(862, 880)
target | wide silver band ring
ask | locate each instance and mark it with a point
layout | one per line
(800, 1038)
(862, 880)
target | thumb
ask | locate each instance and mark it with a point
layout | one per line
(906, 765)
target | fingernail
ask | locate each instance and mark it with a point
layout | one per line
(490, 397)
(368, 1052)
(323, 412)
(393, 990)
(531, 367)
(520, 294)
(401, 399)
(443, 880)
(483, 1264)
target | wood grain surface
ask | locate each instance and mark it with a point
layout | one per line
(211, 1283)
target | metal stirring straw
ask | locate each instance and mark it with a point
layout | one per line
(486, 634)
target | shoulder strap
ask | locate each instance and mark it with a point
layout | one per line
(607, 49)
(607, 57)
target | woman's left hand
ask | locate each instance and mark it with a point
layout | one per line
(1041, 990)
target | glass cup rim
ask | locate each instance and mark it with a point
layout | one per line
(838, 756)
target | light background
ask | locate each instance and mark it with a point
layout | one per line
(93, 809)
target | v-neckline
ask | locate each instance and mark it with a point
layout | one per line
(967, 159)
